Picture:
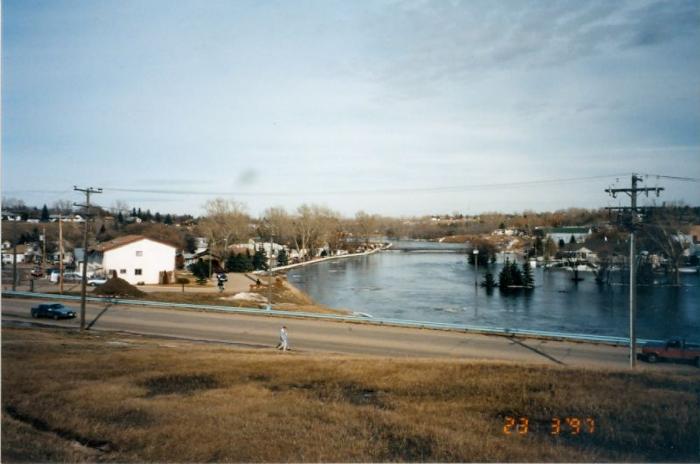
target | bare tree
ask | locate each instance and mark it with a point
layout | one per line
(225, 223)
(668, 240)
(278, 223)
(119, 206)
(13, 204)
(312, 225)
(63, 207)
(365, 225)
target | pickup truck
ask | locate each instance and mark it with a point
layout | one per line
(674, 349)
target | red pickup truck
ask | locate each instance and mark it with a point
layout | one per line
(675, 349)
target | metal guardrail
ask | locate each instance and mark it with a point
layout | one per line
(610, 340)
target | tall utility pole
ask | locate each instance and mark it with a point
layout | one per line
(14, 256)
(632, 223)
(60, 253)
(87, 191)
(43, 250)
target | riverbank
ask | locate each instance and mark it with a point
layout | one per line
(71, 397)
(328, 258)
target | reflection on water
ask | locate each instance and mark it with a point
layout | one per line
(439, 287)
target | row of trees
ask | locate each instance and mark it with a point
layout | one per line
(511, 278)
(308, 229)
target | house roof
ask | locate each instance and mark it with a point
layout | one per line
(125, 240)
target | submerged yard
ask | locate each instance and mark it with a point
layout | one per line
(71, 397)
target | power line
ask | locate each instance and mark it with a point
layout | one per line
(684, 179)
(453, 188)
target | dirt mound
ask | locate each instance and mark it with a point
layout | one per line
(117, 287)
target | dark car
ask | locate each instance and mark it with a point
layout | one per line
(54, 310)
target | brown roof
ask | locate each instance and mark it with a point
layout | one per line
(124, 240)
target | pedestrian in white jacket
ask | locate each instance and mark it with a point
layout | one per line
(284, 339)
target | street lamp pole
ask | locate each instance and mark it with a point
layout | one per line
(476, 263)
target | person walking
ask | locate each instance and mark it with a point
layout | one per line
(284, 339)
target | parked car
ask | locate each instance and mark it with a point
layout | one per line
(674, 349)
(95, 281)
(53, 310)
(72, 276)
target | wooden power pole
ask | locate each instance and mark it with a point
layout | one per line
(632, 223)
(60, 253)
(83, 287)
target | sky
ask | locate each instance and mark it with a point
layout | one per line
(396, 108)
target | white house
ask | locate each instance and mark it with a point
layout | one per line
(136, 259)
(8, 216)
(8, 253)
(580, 234)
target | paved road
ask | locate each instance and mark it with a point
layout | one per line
(337, 337)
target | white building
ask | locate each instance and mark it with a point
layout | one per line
(136, 259)
(580, 234)
(8, 253)
(14, 217)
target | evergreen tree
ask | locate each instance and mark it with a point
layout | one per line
(190, 244)
(168, 219)
(133, 212)
(103, 230)
(572, 240)
(561, 243)
(158, 217)
(282, 258)
(488, 282)
(120, 218)
(239, 263)
(260, 260)
(516, 274)
(139, 214)
(505, 277)
(528, 278)
(200, 269)
(44, 214)
(510, 276)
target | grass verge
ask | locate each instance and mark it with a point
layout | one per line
(106, 397)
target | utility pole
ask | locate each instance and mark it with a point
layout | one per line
(43, 250)
(60, 253)
(14, 258)
(87, 191)
(632, 224)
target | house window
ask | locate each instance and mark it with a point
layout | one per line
(139, 253)
(122, 271)
(137, 271)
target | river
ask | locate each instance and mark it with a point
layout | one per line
(439, 287)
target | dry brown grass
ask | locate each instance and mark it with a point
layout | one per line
(139, 399)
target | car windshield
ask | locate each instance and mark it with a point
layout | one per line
(56, 306)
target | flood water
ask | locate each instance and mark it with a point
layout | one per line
(439, 287)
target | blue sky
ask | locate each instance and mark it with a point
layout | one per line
(280, 103)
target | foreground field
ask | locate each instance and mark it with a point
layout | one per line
(106, 397)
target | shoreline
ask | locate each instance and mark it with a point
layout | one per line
(327, 258)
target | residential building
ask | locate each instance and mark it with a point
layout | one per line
(8, 216)
(580, 234)
(22, 253)
(136, 259)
